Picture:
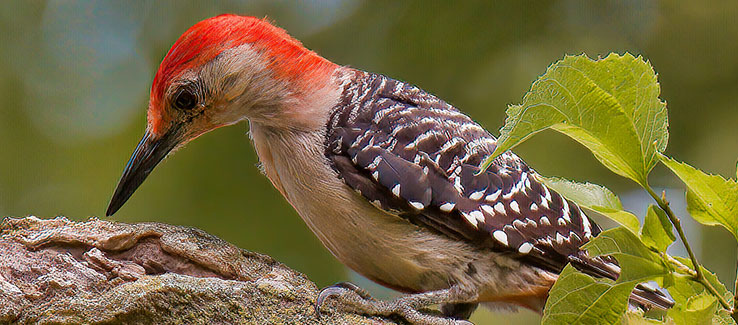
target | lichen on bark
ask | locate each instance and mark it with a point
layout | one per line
(61, 271)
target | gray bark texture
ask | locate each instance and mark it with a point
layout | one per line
(57, 271)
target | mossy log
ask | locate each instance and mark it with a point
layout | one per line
(59, 271)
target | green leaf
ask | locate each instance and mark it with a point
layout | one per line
(638, 262)
(657, 229)
(698, 309)
(577, 298)
(722, 317)
(682, 290)
(594, 197)
(584, 194)
(711, 199)
(624, 218)
(702, 302)
(637, 318)
(686, 310)
(610, 105)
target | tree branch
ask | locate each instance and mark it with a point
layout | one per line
(60, 271)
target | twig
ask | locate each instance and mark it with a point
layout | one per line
(679, 265)
(698, 275)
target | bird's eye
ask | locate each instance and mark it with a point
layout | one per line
(185, 99)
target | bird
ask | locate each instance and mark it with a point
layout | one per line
(385, 174)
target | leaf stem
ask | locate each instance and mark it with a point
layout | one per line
(698, 275)
(679, 265)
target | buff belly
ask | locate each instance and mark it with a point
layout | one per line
(381, 246)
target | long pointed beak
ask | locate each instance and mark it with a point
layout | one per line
(149, 152)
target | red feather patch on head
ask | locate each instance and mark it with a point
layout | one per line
(285, 55)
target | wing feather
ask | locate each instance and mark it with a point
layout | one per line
(415, 156)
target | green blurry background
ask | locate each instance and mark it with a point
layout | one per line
(74, 81)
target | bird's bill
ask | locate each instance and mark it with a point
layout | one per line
(150, 151)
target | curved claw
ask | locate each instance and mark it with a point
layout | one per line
(336, 290)
(323, 295)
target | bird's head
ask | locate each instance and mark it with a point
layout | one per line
(221, 71)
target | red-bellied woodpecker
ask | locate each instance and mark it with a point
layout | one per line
(384, 173)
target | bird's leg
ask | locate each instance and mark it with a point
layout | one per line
(355, 299)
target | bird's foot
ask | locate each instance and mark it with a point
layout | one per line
(353, 298)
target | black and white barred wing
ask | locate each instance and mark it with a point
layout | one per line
(416, 156)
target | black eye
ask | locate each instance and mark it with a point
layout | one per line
(185, 99)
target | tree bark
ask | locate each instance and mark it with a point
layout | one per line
(60, 271)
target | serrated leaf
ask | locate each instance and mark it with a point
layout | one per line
(624, 218)
(577, 298)
(657, 229)
(698, 309)
(584, 194)
(596, 198)
(633, 318)
(638, 262)
(684, 288)
(610, 105)
(722, 317)
(711, 199)
(701, 302)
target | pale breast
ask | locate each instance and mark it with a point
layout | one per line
(379, 245)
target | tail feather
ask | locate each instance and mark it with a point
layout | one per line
(646, 296)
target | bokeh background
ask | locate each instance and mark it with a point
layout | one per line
(74, 81)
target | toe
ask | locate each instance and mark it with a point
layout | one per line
(339, 290)
(326, 293)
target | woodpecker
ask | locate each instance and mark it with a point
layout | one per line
(385, 174)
